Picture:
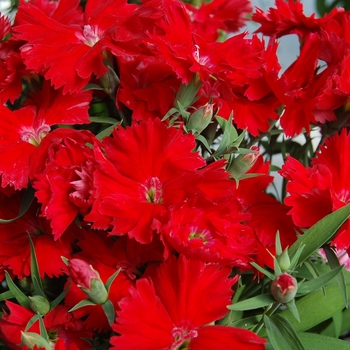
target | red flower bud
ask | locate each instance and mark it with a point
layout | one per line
(88, 280)
(284, 287)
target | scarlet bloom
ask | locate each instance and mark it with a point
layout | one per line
(173, 308)
(142, 171)
(68, 54)
(322, 188)
(21, 131)
(59, 324)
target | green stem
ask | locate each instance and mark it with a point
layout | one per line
(268, 312)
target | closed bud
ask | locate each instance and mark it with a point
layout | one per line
(200, 119)
(34, 341)
(88, 280)
(243, 163)
(39, 304)
(284, 288)
(284, 260)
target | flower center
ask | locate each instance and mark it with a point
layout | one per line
(203, 235)
(182, 338)
(34, 136)
(90, 34)
(153, 189)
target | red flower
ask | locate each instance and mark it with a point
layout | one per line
(174, 307)
(59, 323)
(143, 172)
(322, 188)
(61, 168)
(21, 131)
(14, 241)
(69, 54)
(288, 18)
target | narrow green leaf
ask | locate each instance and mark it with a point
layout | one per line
(331, 330)
(103, 120)
(106, 132)
(293, 309)
(295, 259)
(43, 331)
(65, 260)
(111, 279)
(25, 204)
(334, 263)
(281, 333)
(253, 303)
(262, 270)
(315, 308)
(17, 293)
(85, 302)
(337, 321)
(34, 271)
(320, 233)
(204, 142)
(278, 244)
(56, 301)
(247, 323)
(316, 283)
(6, 295)
(108, 309)
(32, 321)
(313, 341)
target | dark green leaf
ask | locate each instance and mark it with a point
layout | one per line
(56, 301)
(85, 302)
(111, 280)
(316, 283)
(6, 295)
(108, 309)
(320, 342)
(320, 233)
(32, 321)
(17, 293)
(253, 303)
(25, 204)
(34, 271)
(334, 263)
(281, 334)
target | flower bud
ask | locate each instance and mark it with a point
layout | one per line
(201, 118)
(88, 280)
(34, 341)
(284, 288)
(284, 260)
(243, 163)
(39, 304)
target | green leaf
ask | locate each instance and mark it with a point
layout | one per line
(85, 302)
(43, 331)
(204, 142)
(108, 309)
(25, 204)
(32, 321)
(281, 334)
(104, 120)
(332, 331)
(334, 263)
(320, 233)
(278, 244)
(6, 295)
(315, 308)
(247, 323)
(337, 320)
(106, 132)
(293, 309)
(56, 301)
(34, 271)
(111, 279)
(262, 270)
(320, 342)
(317, 283)
(17, 293)
(253, 303)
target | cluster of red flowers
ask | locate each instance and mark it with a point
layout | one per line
(143, 199)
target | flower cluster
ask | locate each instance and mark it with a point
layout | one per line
(133, 179)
